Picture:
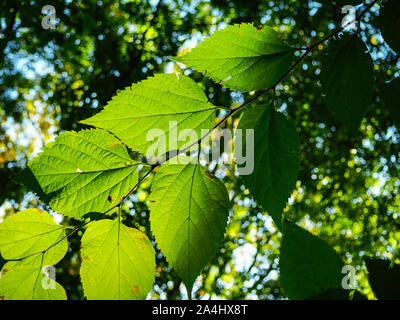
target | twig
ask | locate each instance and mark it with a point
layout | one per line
(258, 95)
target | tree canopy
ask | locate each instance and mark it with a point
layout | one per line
(327, 139)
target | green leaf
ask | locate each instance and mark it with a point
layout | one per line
(29, 283)
(86, 171)
(32, 236)
(163, 106)
(188, 215)
(241, 57)
(117, 262)
(390, 98)
(29, 233)
(276, 160)
(346, 79)
(389, 23)
(308, 265)
(384, 279)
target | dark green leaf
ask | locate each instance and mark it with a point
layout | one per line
(309, 266)
(389, 23)
(384, 280)
(276, 161)
(390, 97)
(346, 78)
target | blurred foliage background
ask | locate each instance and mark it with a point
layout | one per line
(348, 188)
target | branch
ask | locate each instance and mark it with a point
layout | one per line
(231, 112)
(235, 110)
(261, 93)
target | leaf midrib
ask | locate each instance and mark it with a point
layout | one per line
(238, 57)
(157, 115)
(87, 172)
(190, 208)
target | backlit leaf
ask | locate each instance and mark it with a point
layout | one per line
(86, 171)
(118, 263)
(158, 108)
(188, 215)
(241, 57)
(29, 283)
(29, 233)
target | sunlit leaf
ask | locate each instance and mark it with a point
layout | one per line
(241, 57)
(154, 113)
(29, 233)
(188, 215)
(29, 283)
(118, 262)
(86, 171)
